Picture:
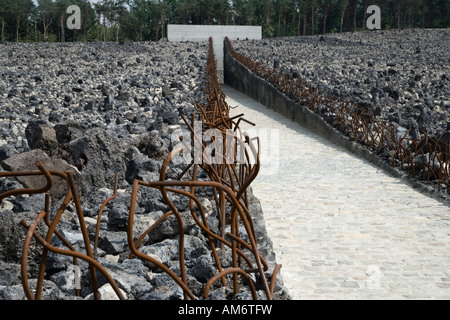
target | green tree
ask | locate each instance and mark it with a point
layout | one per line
(163, 7)
(183, 11)
(325, 6)
(87, 17)
(109, 15)
(309, 9)
(219, 12)
(102, 11)
(355, 6)
(282, 6)
(61, 7)
(118, 10)
(266, 9)
(111, 20)
(47, 12)
(5, 11)
(344, 5)
(20, 10)
(143, 17)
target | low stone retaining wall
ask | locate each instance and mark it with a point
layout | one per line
(241, 78)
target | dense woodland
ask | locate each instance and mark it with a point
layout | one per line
(144, 20)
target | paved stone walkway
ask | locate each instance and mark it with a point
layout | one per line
(341, 227)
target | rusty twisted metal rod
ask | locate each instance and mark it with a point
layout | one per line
(229, 183)
(236, 209)
(75, 254)
(45, 242)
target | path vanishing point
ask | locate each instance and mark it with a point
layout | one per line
(341, 227)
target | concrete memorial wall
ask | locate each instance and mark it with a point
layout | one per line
(181, 33)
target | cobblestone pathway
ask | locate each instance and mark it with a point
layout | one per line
(341, 227)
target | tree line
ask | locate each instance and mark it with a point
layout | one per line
(146, 20)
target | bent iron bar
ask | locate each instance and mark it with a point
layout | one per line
(227, 181)
(429, 155)
(45, 241)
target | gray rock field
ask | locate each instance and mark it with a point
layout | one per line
(401, 77)
(102, 109)
(403, 74)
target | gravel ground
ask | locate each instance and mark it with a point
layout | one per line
(101, 109)
(95, 84)
(401, 76)
(404, 74)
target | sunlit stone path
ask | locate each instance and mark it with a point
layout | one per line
(341, 227)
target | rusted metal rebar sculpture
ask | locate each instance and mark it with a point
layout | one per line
(428, 154)
(227, 181)
(44, 241)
